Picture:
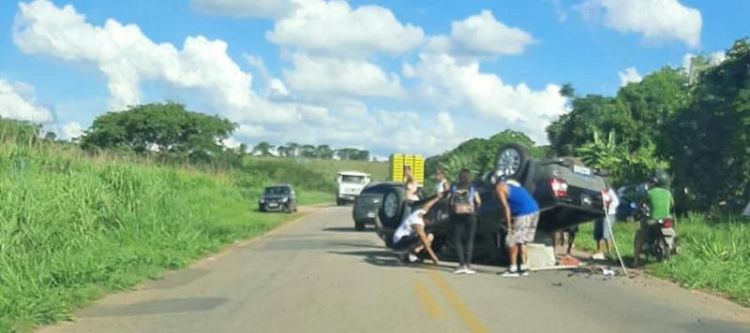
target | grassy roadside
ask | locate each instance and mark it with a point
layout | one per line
(714, 254)
(314, 197)
(73, 229)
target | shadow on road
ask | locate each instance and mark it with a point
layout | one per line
(340, 229)
(152, 307)
(385, 258)
(357, 245)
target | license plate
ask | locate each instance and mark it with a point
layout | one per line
(273, 205)
(582, 170)
(371, 214)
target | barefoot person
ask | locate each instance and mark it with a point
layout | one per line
(521, 213)
(411, 238)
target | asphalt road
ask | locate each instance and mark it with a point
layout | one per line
(317, 274)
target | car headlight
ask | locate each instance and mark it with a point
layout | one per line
(285, 200)
(262, 200)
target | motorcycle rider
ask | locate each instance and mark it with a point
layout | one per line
(661, 205)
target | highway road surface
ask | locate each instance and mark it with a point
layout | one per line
(317, 274)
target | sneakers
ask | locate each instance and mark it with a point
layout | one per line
(469, 271)
(510, 273)
(523, 270)
(460, 270)
(413, 258)
(598, 256)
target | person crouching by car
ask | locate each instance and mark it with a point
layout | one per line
(464, 201)
(521, 213)
(411, 238)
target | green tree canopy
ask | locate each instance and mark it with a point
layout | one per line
(164, 128)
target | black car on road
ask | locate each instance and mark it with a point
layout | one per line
(367, 204)
(568, 194)
(278, 198)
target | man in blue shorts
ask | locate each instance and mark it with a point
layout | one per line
(521, 217)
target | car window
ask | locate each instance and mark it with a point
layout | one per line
(352, 179)
(277, 190)
(379, 189)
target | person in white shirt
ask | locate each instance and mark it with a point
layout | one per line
(442, 185)
(410, 238)
(603, 226)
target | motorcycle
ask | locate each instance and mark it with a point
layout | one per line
(659, 241)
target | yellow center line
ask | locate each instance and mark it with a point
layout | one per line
(429, 302)
(462, 310)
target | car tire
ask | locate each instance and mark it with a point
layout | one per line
(511, 160)
(262, 208)
(392, 209)
(359, 226)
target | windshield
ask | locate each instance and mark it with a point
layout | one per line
(353, 179)
(278, 190)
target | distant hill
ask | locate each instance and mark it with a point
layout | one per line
(478, 155)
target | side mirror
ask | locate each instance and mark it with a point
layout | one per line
(602, 172)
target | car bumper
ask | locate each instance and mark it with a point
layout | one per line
(277, 207)
(366, 217)
(347, 197)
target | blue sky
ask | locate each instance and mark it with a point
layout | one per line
(417, 76)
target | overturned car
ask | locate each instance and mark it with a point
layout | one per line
(568, 194)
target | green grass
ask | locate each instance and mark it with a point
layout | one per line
(74, 228)
(329, 168)
(314, 197)
(714, 254)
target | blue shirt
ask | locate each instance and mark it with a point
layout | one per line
(520, 201)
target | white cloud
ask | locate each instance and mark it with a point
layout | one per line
(482, 35)
(334, 27)
(71, 131)
(333, 76)
(446, 84)
(656, 20)
(127, 57)
(17, 101)
(629, 75)
(245, 8)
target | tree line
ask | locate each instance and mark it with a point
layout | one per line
(293, 149)
(694, 123)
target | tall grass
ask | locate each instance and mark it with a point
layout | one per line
(73, 228)
(714, 254)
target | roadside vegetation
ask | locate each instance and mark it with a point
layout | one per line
(76, 225)
(713, 254)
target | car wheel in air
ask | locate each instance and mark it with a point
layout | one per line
(511, 160)
(392, 208)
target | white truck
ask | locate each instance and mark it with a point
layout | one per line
(350, 186)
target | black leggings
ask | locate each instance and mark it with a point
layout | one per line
(464, 228)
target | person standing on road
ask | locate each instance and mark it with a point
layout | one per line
(464, 201)
(661, 205)
(410, 189)
(411, 238)
(603, 226)
(442, 185)
(521, 217)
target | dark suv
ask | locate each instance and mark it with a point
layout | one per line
(568, 194)
(367, 204)
(278, 198)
